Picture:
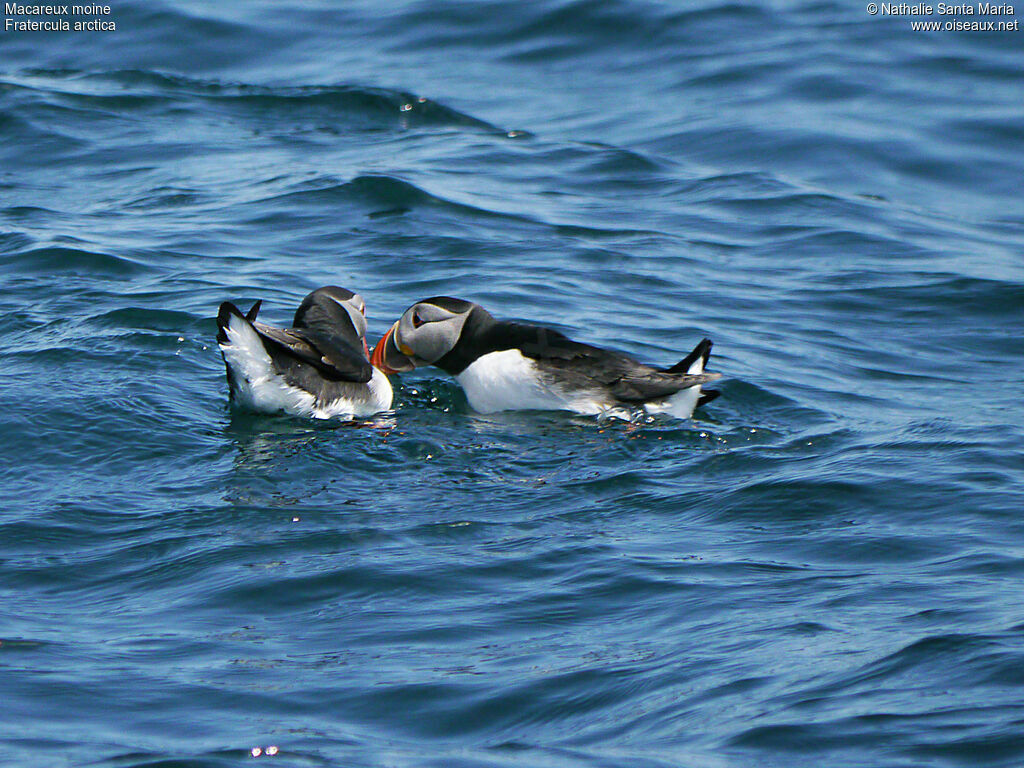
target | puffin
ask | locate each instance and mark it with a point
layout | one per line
(318, 368)
(504, 365)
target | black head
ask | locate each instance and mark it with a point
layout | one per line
(333, 309)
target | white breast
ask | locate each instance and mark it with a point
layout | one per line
(509, 381)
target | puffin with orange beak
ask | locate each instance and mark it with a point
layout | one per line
(505, 366)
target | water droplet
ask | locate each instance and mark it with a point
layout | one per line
(406, 107)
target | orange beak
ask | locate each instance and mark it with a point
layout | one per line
(388, 357)
(378, 359)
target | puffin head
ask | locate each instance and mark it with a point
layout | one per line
(333, 307)
(426, 332)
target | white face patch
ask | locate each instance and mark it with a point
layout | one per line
(429, 332)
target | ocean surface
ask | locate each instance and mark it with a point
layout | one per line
(825, 567)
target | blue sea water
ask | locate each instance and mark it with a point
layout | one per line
(823, 567)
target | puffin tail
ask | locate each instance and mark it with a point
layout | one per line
(229, 310)
(695, 361)
(253, 311)
(246, 360)
(224, 315)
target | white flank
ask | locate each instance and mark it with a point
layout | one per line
(366, 399)
(509, 381)
(258, 387)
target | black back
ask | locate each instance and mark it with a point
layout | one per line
(575, 365)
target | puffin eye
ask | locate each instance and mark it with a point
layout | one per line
(417, 321)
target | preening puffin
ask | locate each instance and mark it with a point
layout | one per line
(317, 368)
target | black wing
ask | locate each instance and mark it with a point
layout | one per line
(332, 356)
(582, 365)
(656, 384)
